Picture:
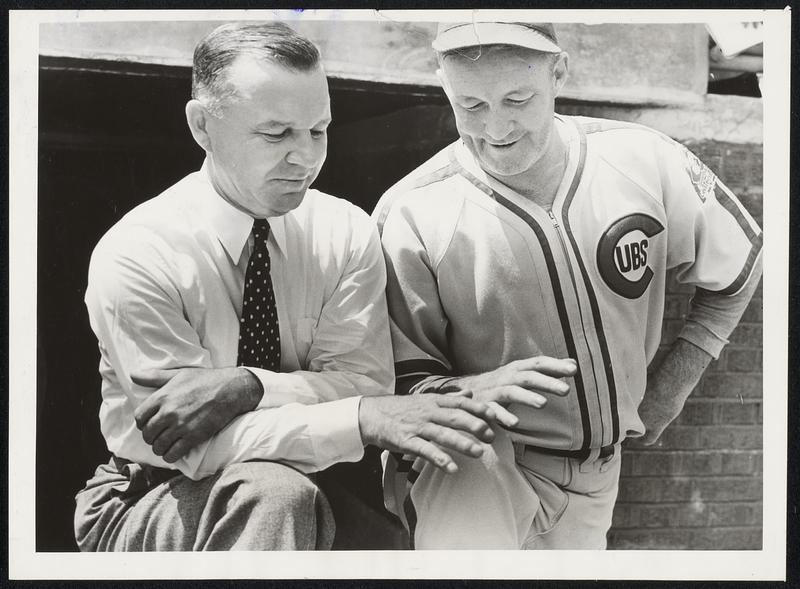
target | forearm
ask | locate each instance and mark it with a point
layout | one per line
(309, 388)
(670, 385)
(246, 390)
(307, 437)
(678, 374)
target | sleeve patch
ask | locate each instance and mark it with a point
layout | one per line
(703, 179)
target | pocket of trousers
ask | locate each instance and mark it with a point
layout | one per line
(552, 498)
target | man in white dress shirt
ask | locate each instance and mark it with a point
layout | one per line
(243, 329)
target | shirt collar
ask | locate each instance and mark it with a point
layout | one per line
(232, 226)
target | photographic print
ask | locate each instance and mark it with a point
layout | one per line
(360, 285)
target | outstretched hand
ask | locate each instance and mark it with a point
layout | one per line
(427, 425)
(191, 405)
(525, 381)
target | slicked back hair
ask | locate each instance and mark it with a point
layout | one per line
(272, 41)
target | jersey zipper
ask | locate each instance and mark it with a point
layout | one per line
(564, 250)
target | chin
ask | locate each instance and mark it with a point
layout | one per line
(503, 168)
(291, 200)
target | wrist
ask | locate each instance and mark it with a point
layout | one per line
(364, 408)
(249, 389)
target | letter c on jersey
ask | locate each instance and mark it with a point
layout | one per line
(622, 254)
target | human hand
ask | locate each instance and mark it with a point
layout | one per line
(419, 424)
(668, 387)
(523, 381)
(657, 412)
(191, 405)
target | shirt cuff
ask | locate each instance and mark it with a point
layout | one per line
(334, 430)
(263, 377)
(703, 338)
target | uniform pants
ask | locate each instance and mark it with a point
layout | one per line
(246, 506)
(511, 498)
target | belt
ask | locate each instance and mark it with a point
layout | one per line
(605, 452)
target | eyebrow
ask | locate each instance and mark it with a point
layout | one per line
(271, 124)
(521, 90)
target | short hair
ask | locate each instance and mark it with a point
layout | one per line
(272, 41)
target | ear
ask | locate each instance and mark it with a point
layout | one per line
(197, 117)
(560, 71)
(443, 82)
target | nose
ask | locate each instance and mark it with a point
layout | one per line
(498, 125)
(303, 151)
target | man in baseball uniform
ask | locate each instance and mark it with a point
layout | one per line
(527, 265)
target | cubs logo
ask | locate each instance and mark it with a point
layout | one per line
(622, 254)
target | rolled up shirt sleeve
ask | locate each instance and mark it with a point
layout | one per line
(307, 437)
(135, 309)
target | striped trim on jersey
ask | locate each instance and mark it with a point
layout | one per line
(756, 239)
(569, 340)
(595, 307)
(410, 372)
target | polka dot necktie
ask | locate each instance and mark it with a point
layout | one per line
(259, 338)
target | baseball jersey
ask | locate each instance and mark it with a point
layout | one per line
(480, 276)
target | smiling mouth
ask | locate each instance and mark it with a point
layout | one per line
(502, 145)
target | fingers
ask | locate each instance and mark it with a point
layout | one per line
(429, 451)
(178, 450)
(557, 367)
(154, 378)
(457, 419)
(152, 430)
(164, 441)
(452, 440)
(466, 403)
(145, 412)
(171, 443)
(536, 381)
(504, 416)
(516, 394)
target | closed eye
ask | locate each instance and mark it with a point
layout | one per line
(276, 136)
(518, 101)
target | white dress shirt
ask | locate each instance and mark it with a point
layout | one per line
(165, 291)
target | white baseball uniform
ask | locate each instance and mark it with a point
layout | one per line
(480, 276)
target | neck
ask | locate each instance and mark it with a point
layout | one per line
(215, 183)
(540, 182)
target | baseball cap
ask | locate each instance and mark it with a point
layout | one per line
(457, 35)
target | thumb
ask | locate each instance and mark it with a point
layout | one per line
(650, 437)
(154, 377)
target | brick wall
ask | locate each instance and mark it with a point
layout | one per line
(701, 486)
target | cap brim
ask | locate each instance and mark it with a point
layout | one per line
(493, 33)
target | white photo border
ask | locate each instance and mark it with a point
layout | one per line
(25, 562)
